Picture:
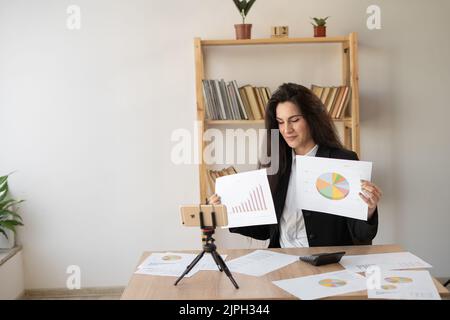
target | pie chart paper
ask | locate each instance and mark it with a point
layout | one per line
(332, 185)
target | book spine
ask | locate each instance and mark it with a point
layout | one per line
(338, 102)
(259, 101)
(206, 100)
(243, 113)
(220, 99)
(344, 103)
(253, 102)
(215, 105)
(233, 102)
(247, 107)
(215, 99)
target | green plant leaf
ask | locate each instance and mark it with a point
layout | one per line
(10, 224)
(320, 22)
(3, 195)
(244, 6)
(13, 203)
(3, 189)
(240, 5)
(8, 218)
(7, 213)
(3, 179)
(248, 6)
(5, 203)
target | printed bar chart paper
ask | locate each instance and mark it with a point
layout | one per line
(247, 197)
(392, 261)
(332, 185)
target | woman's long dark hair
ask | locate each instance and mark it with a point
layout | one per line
(321, 126)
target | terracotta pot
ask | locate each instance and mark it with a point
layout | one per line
(243, 31)
(320, 31)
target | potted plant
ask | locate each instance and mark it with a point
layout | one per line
(320, 29)
(9, 219)
(243, 30)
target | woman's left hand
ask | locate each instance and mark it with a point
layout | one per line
(371, 195)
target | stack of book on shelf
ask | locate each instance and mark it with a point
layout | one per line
(214, 174)
(227, 101)
(335, 99)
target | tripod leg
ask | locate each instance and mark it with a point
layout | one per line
(214, 255)
(227, 271)
(190, 266)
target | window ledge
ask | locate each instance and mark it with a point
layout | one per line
(6, 254)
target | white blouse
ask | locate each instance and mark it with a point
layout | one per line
(292, 225)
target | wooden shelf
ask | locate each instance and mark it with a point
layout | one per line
(273, 41)
(228, 122)
(253, 122)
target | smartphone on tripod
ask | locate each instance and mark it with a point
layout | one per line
(207, 217)
(190, 215)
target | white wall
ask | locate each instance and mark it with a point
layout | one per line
(86, 118)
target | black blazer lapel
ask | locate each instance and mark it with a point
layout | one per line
(323, 152)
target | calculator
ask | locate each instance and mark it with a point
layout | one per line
(320, 259)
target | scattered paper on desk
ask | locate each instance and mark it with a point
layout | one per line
(388, 261)
(260, 262)
(168, 270)
(174, 264)
(168, 258)
(323, 285)
(409, 285)
(248, 198)
(332, 185)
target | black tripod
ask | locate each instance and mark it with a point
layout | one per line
(210, 247)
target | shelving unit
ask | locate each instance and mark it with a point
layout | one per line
(350, 77)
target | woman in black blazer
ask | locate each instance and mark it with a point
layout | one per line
(306, 128)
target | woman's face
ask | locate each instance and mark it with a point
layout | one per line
(292, 125)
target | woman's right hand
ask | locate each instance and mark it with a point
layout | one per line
(214, 199)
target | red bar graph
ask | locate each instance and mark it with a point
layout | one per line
(254, 201)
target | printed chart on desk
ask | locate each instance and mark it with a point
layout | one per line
(332, 185)
(409, 285)
(248, 198)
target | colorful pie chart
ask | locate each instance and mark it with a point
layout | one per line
(388, 287)
(332, 283)
(332, 186)
(399, 280)
(171, 258)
